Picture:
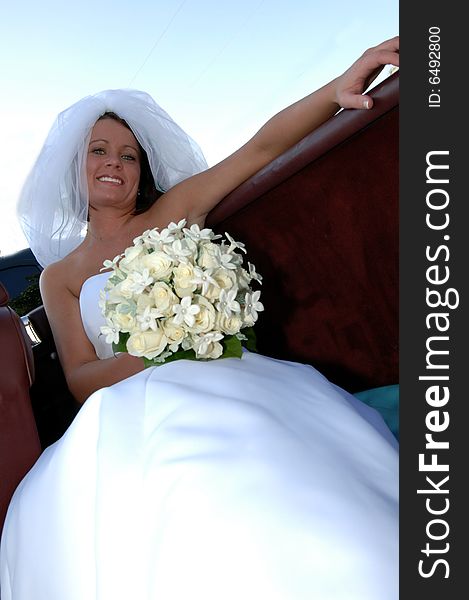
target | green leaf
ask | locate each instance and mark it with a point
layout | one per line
(121, 345)
(251, 343)
(180, 354)
(231, 347)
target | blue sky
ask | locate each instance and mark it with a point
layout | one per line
(220, 68)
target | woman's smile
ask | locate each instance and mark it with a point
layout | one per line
(113, 163)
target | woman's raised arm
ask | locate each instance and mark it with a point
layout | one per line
(200, 193)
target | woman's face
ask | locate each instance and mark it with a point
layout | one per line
(113, 165)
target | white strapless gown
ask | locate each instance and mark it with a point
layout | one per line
(236, 479)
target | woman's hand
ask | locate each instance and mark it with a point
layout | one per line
(197, 195)
(356, 79)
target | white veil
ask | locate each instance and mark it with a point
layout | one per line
(53, 204)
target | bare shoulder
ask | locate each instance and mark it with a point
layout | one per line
(52, 277)
(59, 280)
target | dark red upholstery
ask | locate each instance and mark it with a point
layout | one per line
(321, 225)
(53, 405)
(19, 440)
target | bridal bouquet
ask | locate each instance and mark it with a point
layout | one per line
(180, 293)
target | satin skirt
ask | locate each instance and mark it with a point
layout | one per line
(247, 478)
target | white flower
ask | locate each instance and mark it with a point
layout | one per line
(174, 333)
(205, 318)
(203, 278)
(111, 332)
(229, 261)
(158, 239)
(234, 244)
(158, 263)
(148, 319)
(144, 300)
(124, 316)
(120, 291)
(183, 275)
(139, 281)
(163, 297)
(209, 256)
(196, 234)
(176, 289)
(185, 312)
(181, 250)
(140, 240)
(110, 264)
(252, 306)
(147, 343)
(228, 303)
(229, 325)
(173, 227)
(225, 279)
(124, 322)
(253, 273)
(207, 345)
(131, 256)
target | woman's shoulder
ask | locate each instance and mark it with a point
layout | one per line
(65, 275)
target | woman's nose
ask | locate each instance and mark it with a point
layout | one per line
(113, 160)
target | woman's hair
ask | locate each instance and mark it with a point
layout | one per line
(148, 194)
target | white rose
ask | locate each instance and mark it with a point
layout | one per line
(174, 333)
(131, 259)
(208, 345)
(229, 325)
(159, 264)
(163, 297)
(225, 280)
(144, 300)
(123, 318)
(215, 350)
(209, 256)
(147, 343)
(213, 293)
(122, 290)
(183, 275)
(205, 318)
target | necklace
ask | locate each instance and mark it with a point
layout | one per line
(100, 238)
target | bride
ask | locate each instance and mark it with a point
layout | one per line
(232, 478)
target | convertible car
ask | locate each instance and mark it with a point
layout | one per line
(321, 225)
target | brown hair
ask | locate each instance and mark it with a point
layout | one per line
(148, 194)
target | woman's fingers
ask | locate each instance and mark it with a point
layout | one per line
(363, 72)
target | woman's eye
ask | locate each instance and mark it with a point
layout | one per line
(128, 157)
(98, 151)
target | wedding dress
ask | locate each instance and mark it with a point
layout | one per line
(242, 479)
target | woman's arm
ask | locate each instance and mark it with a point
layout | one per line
(196, 196)
(84, 372)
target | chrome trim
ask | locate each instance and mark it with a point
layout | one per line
(33, 336)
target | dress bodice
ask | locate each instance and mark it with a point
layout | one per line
(91, 315)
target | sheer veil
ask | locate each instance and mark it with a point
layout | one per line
(53, 204)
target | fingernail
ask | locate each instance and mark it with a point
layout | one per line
(366, 103)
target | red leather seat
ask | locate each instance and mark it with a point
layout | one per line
(19, 439)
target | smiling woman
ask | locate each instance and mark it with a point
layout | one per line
(223, 69)
(241, 477)
(113, 164)
(130, 152)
